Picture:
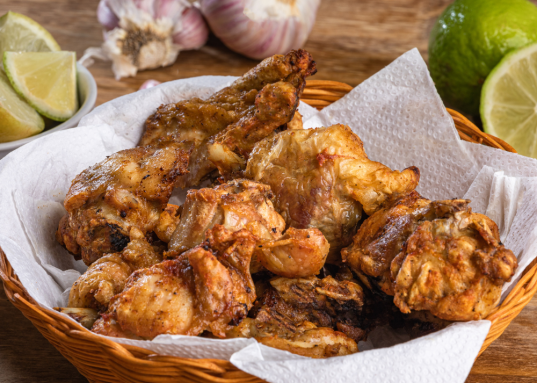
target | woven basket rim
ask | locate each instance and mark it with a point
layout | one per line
(101, 359)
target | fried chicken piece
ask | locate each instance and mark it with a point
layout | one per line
(381, 237)
(306, 339)
(244, 204)
(235, 117)
(238, 204)
(436, 256)
(128, 189)
(208, 288)
(454, 267)
(167, 222)
(304, 315)
(298, 253)
(322, 178)
(106, 277)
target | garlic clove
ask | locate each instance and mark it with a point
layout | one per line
(194, 31)
(106, 16)
(171, 9)
(149, 84)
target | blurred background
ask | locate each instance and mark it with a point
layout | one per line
(350, 40)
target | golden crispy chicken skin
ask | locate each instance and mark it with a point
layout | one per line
(298, 253)
(244, 204)
(238, 204)
(437, 256)
(303, 316)
(128, 189)
(322, 178)
(454, 267)
(382, 236)
(306, 339)
(207, 288)
(235, 117)
(106, 277)
(167, 222)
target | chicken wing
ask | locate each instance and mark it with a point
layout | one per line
(128, 189)
(236, 117)
(433, 255)
(208, 288)
(322, 178)
(106, 277)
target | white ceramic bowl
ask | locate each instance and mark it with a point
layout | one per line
(87, 94)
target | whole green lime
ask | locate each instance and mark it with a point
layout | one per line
(469, 40)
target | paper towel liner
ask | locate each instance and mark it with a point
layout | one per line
(402, 121)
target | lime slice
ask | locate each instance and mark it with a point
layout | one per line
(46, 80)
(509, 100)
(17, 118)
(19, 33)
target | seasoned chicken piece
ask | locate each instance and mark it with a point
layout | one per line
(305, 339)
(322, 178)
(303, 315)
(381, 237)
(208, 288)
(243, 204)
(298, 253)
(436, 256)
(128, 189)
(167, 222)
(239, 204)
(235, 117)
(454, 267)
(106, 277)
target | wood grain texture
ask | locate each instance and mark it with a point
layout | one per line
(351, 40)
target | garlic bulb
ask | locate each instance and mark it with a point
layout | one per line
(146, 34)
(261, 28)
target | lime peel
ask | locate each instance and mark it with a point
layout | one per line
(17, 119)
(509, 100)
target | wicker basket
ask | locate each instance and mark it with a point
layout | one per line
(102, 360)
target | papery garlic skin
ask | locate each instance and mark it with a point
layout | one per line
(146, 34)
(139, 42)
(261, 28)
(149, 84)
(106, 16)
(194, 32)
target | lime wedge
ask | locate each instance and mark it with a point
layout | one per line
(17, 118)
(46, 80)
(19, 33)
(509, 100)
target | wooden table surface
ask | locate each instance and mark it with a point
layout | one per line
(351, 40)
